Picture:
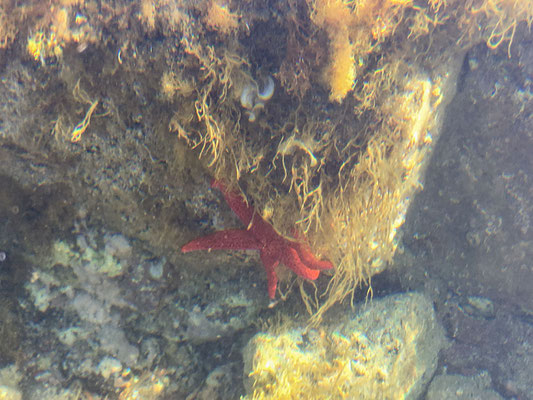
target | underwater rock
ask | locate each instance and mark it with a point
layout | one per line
(220, 384)
(229, 310)
(117, 246)
(389, 347)
(478, 306)
(9, 380)
(352, 168)
(82, 285)
(500, 345)
(459, 387)
(9, 393)
(109, 366)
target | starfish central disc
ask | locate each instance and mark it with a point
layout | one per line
(260, 235)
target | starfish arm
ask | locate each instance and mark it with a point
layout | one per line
(292, 260)
(260, 235)
(270, 263)
(231, 239)
(236, 202)
(309, 259)
(260, 228)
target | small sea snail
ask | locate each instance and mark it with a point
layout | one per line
(267, 91)
(253, 97)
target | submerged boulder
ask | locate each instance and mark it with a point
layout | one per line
(388, 349)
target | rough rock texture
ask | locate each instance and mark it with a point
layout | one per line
(458, 387)
(471, 224)
(220, 384)
(72, 326)
(388, 349)
(468, 237)
(9, 380)
(501, 345)
(102, 306)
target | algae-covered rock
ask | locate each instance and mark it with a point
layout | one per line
(337, 155)
(8, 393)
(9, 380)
(387, 350)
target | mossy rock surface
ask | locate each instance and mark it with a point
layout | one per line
(387, 350)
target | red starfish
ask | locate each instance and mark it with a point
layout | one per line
(260, 235)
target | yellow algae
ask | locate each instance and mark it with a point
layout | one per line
(354, 29)
(147, 14)
(335, 17)
(60, 23)
(386, 352)
(367, 211)
(341, 72)
(342, 173)
(10, 379)
(70, 3)
(63, 26)
(345, 177)
(82, 96)
(220, 18)
(40, 46)
(83, 125)
(169, 85)
(146, 386)
(173, 84)
(8, 26)
(503, 18)
(338, 154)
(35, 45)
(333, 14)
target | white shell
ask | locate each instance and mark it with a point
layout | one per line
(268, 91)
(247, 96)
